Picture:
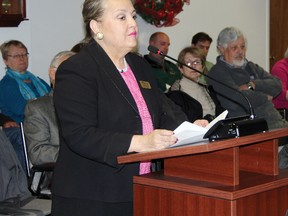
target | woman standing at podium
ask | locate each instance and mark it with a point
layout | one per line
(108, 104)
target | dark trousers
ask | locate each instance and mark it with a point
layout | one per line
(14, 136)
(62, 206)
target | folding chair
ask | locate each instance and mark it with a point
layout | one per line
(36, 173)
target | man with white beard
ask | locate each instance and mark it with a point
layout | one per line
(233, 69)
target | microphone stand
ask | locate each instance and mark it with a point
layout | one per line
(230, 127)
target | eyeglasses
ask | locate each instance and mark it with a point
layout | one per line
(193, 63)
(18, 56)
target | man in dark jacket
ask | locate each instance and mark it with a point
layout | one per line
(234, 70)
(166, 72)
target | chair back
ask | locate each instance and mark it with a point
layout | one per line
(27, 161)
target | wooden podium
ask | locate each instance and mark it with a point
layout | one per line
(237, 177)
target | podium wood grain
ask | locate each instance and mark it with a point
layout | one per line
(234, 177)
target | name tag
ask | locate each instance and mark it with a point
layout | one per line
(145, 84)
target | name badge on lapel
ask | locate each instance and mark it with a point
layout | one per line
(145, 85)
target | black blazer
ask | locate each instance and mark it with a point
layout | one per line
(191, 107)
(97, 119)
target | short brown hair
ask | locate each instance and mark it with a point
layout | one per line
(6, 45)
(201, 36)
(193, 51)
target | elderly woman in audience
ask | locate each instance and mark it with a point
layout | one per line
(18, 85)
(205, 103)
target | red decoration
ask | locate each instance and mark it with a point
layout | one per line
(160, 12)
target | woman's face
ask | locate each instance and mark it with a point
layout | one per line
(193, 62)
(118, 26)
(17, 59)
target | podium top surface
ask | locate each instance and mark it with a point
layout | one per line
(204, 147)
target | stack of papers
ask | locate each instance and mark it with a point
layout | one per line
(189, 133)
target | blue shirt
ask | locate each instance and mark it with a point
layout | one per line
(12, 103)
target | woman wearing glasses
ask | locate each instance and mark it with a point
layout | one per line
(196, 100)
(18, 85)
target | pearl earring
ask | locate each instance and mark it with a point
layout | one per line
(99, 35)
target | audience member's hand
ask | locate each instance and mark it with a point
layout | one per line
(243, 87)
(246, 87)
(201, 122)
(156, 140)
(270, 98)
(10, 124)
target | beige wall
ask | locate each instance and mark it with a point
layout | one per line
(57, 25)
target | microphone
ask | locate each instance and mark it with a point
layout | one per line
(230, 127)
(155, 50)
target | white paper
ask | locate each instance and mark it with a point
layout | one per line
(218, 118)
(189, 133)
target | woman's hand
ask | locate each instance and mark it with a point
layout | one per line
(201, 122)
(156, 140)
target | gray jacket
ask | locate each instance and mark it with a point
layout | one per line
(235, 103)
(41, 130)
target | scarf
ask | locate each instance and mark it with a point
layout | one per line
(25, 90)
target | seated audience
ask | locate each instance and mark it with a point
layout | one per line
(40, 124)
(12, 131)
(280, 70)
(165, 71)
(189, 84)
(18, 85)
(260, 87)
(202, 41)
